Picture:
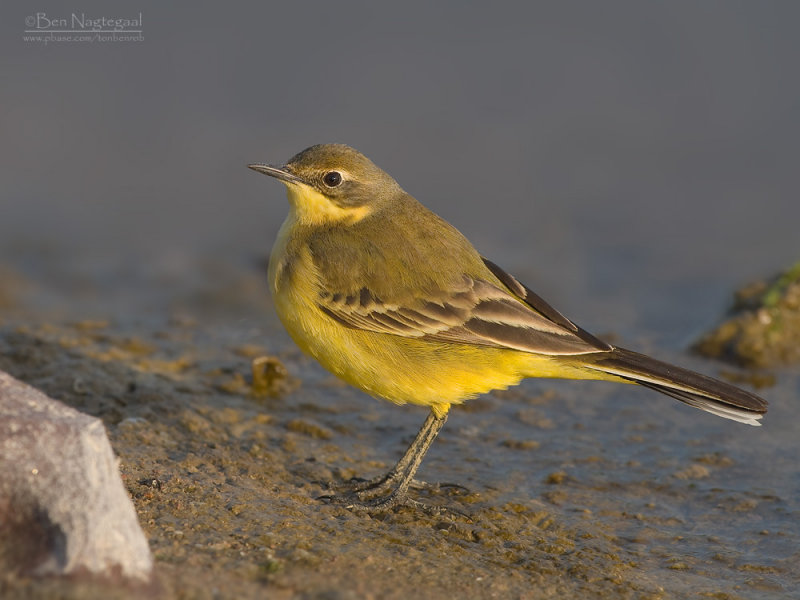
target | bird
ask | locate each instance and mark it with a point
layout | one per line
(394, 300)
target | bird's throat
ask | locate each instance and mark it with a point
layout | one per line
(310, 207)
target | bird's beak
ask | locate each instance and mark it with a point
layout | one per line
(276, 172)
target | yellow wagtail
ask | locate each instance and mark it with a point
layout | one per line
(395, 300)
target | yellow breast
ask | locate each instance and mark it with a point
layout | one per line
(387, 366)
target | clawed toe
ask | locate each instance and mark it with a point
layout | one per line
(438, 487)
(376, 495)
(384, 503)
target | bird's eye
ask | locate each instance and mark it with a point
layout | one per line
(332, 178)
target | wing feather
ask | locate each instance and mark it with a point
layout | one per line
(474, 312)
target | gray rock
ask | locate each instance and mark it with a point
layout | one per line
(63, 507)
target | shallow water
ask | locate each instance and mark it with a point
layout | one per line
(633, 165)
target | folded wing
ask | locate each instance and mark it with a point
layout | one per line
(473, 311)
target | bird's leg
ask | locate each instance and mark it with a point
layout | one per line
(418, 446)
(397, 481)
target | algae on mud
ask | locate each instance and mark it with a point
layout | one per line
(763, 328)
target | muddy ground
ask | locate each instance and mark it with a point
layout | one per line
(574, 490)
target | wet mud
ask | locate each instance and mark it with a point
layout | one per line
(227, 436)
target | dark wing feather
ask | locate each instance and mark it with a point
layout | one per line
(474, 312)
(533, 300)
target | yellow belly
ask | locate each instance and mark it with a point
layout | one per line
(388, 366)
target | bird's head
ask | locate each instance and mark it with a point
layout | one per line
(331, 183)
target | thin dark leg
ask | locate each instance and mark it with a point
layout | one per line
(387, 481)
(397, 481)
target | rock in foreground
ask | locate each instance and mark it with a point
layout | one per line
(63, 507)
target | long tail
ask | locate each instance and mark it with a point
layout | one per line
(705, 393)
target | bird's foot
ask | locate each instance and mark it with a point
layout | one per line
(377, 495)
(382, 504)
(364, 488)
